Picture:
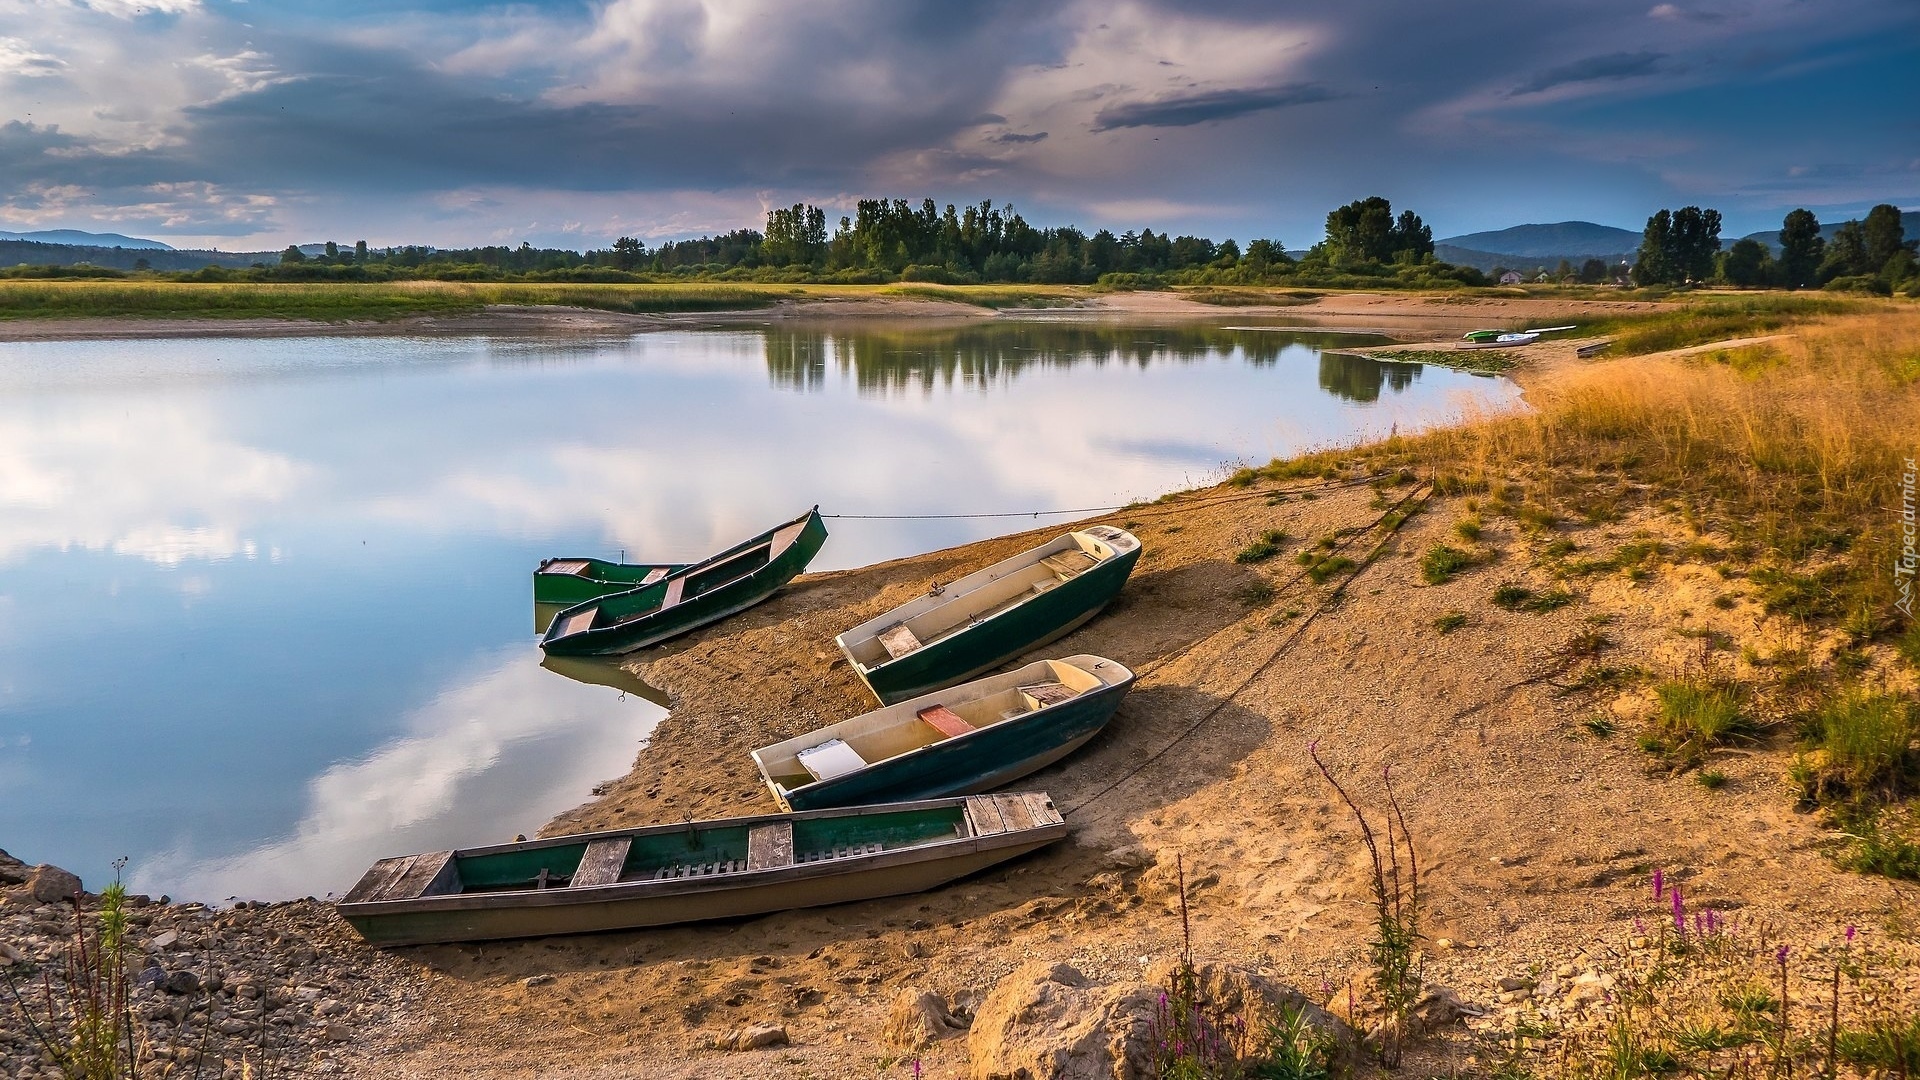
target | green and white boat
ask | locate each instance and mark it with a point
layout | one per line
(569, 581)
(967, 738)
(693, 871)
(983, 620)
(692, 597)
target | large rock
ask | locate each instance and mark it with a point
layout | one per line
(1048, 1022)
(52, 885)
(919, 1018)
(12, 870)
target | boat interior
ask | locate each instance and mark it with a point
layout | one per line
(854, 744)
(983, 595)
(669, 853)
(665, 591)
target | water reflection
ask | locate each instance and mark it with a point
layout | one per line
(276, 589)
(883, 361)
(596, 671)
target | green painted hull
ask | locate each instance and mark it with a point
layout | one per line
(597, 578)
(978, 761)
(671, 874)
(703, 593)
(966, 653)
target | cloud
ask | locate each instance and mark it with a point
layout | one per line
(21, 59)
(1207, 107)
(1016, 138)
(1613, 66)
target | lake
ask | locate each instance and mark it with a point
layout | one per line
(265, 606)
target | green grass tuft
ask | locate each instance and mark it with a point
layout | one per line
(1262, 549)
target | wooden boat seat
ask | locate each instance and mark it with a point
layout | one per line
(944, 720)
(1069, 564)
(1041, 695)
(564, 566)
(602, 862)
(844, 852)
(577, 622)
(674, 592)
(654, 575)
(830, 759)
(770, 845)
(407, 877)
(898, 640)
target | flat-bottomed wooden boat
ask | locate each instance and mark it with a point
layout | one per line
(704, 592)
(967, 738)
(983, 620)
(694, 871)
(569, 581)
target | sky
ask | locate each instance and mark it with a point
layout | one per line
(563, 123)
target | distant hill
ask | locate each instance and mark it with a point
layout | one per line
(1909, 221)
(75, 237)
(1487, 261)
(1548, 241)
(36, 253)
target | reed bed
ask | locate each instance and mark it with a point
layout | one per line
(336, 301)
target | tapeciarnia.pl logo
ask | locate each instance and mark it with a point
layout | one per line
(1909, 560)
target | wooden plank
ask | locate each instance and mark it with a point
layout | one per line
(898, 640)
(1069, 564)
(1041, 695)
(1040, 806)
(944, 720)
(983, 813)
(602, 862)
(377, 879)
(1015, 812)
(674, 590)
(564, 566)
(770, 845)
(654, 575)
(577, 622)
(784, 538)
(421, 874)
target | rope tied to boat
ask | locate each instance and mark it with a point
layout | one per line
(1143, 509)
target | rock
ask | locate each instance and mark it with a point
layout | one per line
(12, 870)
(152, 977)
(51, 885)
(8, 954)
(339, 1033)
(182, 982)
(163, 940)
(532, 981)
(919, 1018)
(1047, 1022)
(1131, 857)
(752, 1038)
(1439, 1006)
(1515, 982)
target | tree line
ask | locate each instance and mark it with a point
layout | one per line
(1680, 247)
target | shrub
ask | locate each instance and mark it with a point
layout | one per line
(1441, 562)
(1695, 716)
(1450, 622)
(1266, 547)
(1521, 598)
(1862, 749)
(1468, 528)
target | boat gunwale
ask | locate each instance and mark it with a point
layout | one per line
(1123, 684)
(639, 890)
(972, 583)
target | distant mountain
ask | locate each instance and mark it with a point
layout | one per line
(1909, 222)
(86, 239)
(1487, 261)
(39, 253)
(1548, 241)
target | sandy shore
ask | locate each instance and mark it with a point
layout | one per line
(1386, 312)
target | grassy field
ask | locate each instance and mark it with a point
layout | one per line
(340, 302)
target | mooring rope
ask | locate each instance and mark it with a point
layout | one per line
(1299, 629)
(1144, 509)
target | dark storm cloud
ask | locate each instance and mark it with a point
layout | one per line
(1014, 138)
(1595, 69)
(1206, 107)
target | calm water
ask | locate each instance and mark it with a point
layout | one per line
(264, 604)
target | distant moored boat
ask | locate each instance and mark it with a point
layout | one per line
(691, 597)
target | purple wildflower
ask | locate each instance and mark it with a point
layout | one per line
(916, 1069)
(1780, 956)
(1679, 912)
(1640, 927)
(1850, 933)
(1659, 884)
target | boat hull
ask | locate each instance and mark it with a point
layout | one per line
(1002, 827)
(981, 761)
(1044, 619)
(668, 622)
(598, 579)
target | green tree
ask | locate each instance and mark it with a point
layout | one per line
(1593, 272)
(1696, 239)
(1364, 231)
(627, 253)
(1801, 249)
(359, 251)
(1652, 263)
(1883, 236)
(1747, 264)
(292, 255)
(333, 252)
(1846, 253)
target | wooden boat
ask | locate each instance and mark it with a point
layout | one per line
(967, 738)
(990, 616)
(692, 871)
(705, 592)
(569, 581)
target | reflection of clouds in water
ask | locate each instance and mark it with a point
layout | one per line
(505, 748)
(152, 479)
